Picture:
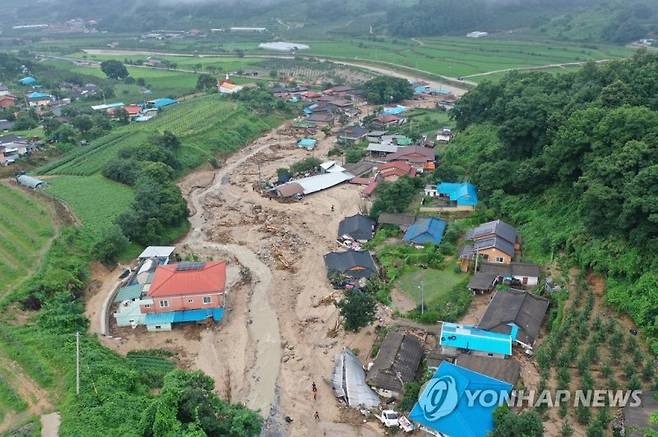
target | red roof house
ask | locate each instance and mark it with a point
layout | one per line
(187, 286)
(133, 110)
(420, 157)
(7, 101)
(392, 171)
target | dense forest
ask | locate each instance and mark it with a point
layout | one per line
(623, 21)
(573, 159)
(585, 20)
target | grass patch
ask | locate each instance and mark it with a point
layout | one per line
(437, 284)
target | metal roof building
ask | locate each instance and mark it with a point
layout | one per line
(30, 182)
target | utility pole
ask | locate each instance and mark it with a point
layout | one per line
(422, 297)
(259, 176)
(477, 255)
(77, 363)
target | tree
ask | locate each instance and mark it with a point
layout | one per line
(387, 90)
(114, 69)
(206, 82)
(110, 245)
(358, 309)
(508, 424)
(83, 123)
(187, 405)
(167, 140)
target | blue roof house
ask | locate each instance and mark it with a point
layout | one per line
(458, 402)
(426, 230)
(28, 81)
(455, 338)
(462, 194)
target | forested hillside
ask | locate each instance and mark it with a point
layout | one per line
(573, 159)
(585, 20)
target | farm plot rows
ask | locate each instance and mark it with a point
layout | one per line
(95, 200)
(25, 228)
(461, 56)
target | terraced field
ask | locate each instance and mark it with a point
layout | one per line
(206, 125)
(26, 227)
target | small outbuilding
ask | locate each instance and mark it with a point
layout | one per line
(30, 182)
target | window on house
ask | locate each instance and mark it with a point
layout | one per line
(164, 303)
(190, 300)
(206, 299)
(500, 259)
(148, 305)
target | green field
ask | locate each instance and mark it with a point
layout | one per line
(95, 200)
(207, 126)
(437, 284)
(447, 56)
(161, 83)
(25, 229)
(455, 57)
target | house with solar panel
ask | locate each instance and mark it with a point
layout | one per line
(161, 295)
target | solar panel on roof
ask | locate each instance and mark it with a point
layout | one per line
(187, 266)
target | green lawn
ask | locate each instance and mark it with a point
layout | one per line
(95, 200)
(25, 228)
(437, 283)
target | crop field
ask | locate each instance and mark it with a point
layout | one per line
(206, 125)
(95, 200)
(25, 229)
(162, 83)
(463, 56)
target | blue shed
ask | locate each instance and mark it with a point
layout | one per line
(474, 339)
(307, 143)
(28, 81)
(426, 230)
(444, 406)
(161, 103)
(463, 193)
(395, 110)
(163, 321)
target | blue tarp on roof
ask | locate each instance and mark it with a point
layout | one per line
(29, 80)
(443, 405)
(427, 230)
(161, 103)
(184, 316)
(395, 110)
(37, 95)
(463, 193)
(474, 339)
(421, 89)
